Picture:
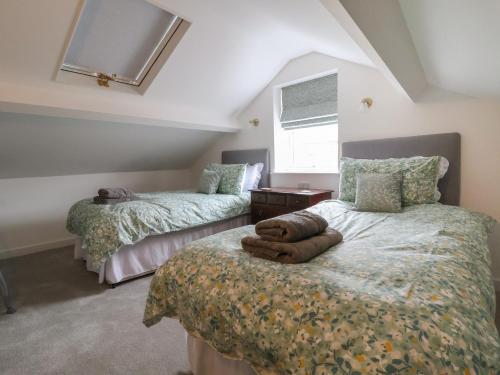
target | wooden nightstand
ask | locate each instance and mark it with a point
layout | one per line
(278, 201)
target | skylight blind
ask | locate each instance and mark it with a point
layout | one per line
(120, 37)
(309, 103)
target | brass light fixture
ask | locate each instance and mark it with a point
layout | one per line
(103, 79)
(367, 101)
(365, 104)
(254, 122)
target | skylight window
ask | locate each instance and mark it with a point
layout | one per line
(121, 40)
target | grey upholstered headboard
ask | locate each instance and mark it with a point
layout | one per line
(260, 155)
(447, 145)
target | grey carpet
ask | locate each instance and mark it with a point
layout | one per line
(66, 323)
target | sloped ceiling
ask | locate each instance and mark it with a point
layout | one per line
(457, 42)
(231, 51)
(34, 146)
(379, 27)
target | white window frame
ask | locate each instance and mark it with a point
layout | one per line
(280, 141)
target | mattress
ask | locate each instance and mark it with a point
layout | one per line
(105, 229)
(409, 292)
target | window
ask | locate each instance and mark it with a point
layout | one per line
(306, 126)
(120, 40)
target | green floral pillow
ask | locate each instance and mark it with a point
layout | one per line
(420, 175)
(232, 177)
(379, 192)
(209, 182)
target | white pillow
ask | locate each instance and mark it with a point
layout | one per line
(252, 176)
(443, 166)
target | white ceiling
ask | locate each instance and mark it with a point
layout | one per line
(378, 26)
(231, 51)
(457, 42)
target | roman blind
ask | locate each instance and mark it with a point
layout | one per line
(309, 103)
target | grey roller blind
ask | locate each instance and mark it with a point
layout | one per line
(122, 37)
(309, 103)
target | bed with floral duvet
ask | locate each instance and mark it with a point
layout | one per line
(105, 229)
(407, 293)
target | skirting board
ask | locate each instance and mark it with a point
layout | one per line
(25, 250)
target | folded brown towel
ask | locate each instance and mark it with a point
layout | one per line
(291, 227)
(291, 252)
(115, 193)
(101, 200)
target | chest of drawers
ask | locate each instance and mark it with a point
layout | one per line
(266, 204)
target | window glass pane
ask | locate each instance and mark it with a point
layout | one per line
(118, 36)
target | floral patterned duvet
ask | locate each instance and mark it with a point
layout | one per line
(407, 293)
(105, 228)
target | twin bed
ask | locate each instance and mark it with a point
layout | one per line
(130, 239)
(408, 292)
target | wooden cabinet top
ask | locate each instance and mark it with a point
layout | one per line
(294, 191)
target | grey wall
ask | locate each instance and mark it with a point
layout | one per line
(35, 146)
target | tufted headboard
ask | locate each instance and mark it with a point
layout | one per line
(260, 155)
(446, 145)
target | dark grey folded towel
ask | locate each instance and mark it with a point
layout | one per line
(291, 252)
(116, 193)
(291, 227)
(101, 200)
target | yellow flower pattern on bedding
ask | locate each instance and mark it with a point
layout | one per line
(405, 293)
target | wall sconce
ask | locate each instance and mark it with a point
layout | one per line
(365, 104)
(254, 122)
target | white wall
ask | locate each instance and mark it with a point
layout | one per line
(392, 115)
(33, 210)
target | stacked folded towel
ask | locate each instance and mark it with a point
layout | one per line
(291, 238)
(113, 195)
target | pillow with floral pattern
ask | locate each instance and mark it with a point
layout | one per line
(420, 175)
(209, 182)
(379, 192)
(232, 177)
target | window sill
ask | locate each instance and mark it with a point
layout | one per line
(306, 172)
